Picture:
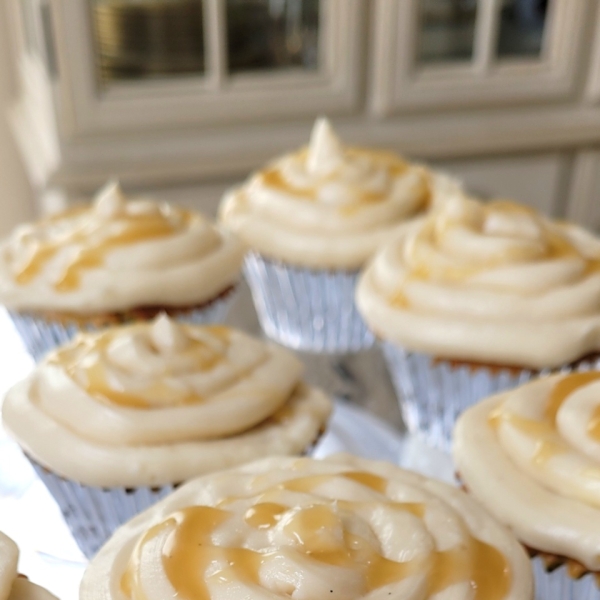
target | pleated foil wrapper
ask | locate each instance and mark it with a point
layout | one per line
(93, 514)
(40, 334)
(307, 310)
(432, 393)
(560, 585)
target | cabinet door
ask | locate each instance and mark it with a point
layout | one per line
(462, 53)
(152, 64)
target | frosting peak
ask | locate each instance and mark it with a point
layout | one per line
(325, 151)
(159, 402)
(329, 205)
(115, 255)
(542, 443)
(110, 201)
(168, 335)
(343, 528)
(489, 282)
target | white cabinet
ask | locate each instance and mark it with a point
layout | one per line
(197, 93)
(496, 52)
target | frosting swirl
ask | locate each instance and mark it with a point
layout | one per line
(307, 529)
(149, 404)
(532, 457)
(327, 206)
(12, 585)
(115, 255)
(494, 283)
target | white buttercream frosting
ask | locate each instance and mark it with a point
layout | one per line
(161, 402)
(117, 254)
(493, 283)
(532, 457)
(328, 206)
(343, 528)
(12, 585)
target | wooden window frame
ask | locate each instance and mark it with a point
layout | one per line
(398, 85)
(213, 99)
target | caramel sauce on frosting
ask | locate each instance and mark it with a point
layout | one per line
(88, 362)
(117, 254)
(328, 205)
(156, 403)
(545, 431)
(494, 283)
(94, 240)
(531, 455)
(317, 532)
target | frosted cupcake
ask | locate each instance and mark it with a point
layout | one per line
(115, 420)
(115, 261)
(312, 219)
(478, 298)
(14, 586)
(531, 456)
(343, 528)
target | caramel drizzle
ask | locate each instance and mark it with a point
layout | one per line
(558, 247)
(189, 553)
(545, 431)
(134, 229)
(87, 359)
(395, 166)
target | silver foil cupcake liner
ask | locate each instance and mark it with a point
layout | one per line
(559, 585)
(40, 335)
(92, 514)
(432, 393)
(307, 310)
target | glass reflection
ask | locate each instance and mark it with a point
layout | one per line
(446, 30)
(522, 27)
(272, 34)
(148, 38)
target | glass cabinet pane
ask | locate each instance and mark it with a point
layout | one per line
(148, 38)
(522, 27)
(272, 34)
(446, 30)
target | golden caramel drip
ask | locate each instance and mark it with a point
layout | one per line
(564, 388)
(485, 567)
(319, 533)
(594, 425)
(310, 483)
(558, 247)
(264, 514)
(395, 166)
(274, 179)
(545, 431)
(87, 359)
(133, 229)
(399, 300)
(369, 480)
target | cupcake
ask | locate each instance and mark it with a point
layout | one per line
(531, 456)
(14, 586)
(112, 262)
(117, 419)
(312, 219)
(477, 298)
(342, 528)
